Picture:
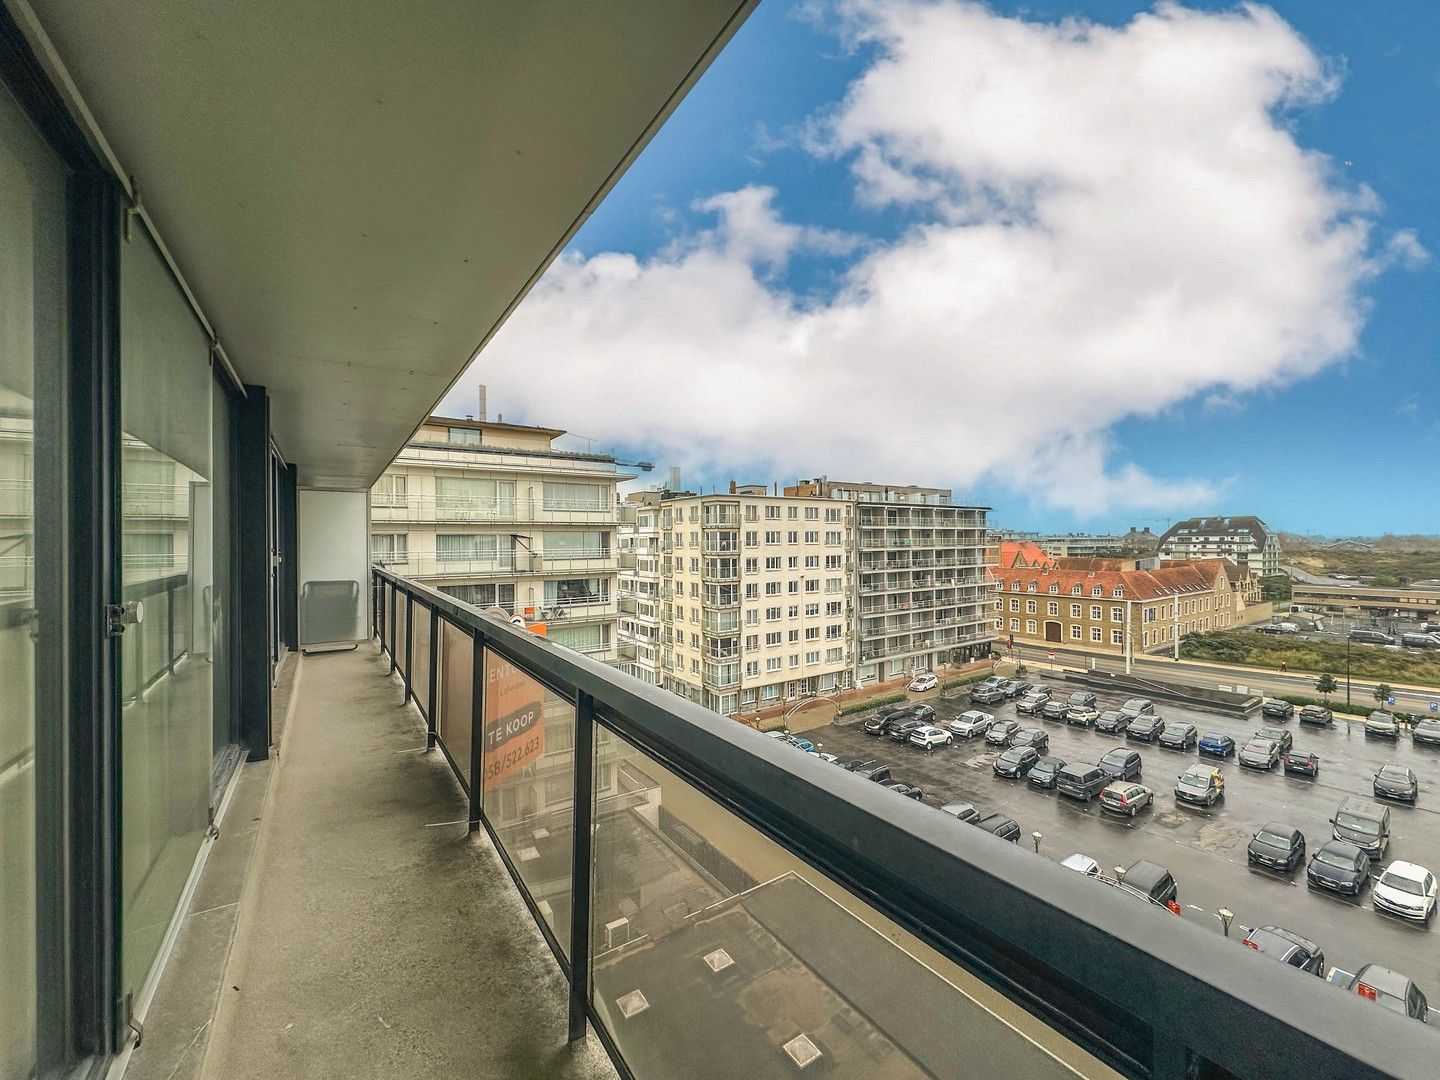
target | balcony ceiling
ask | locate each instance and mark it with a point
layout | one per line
(358, 191)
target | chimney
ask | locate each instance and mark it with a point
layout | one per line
(480, 391)
(732, 487)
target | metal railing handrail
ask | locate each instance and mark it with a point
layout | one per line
(1149, 994)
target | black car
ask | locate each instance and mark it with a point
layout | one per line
(1015, 762)
(962, 810)
(922, 712)
(1044, 772)
(1001, 732)
(880, 723)
(999, 825)
(873, 770)
(1178, 736)
(1016, 689)
(1035, 738)
(902, 731)
(1280, 735)
(1426, 732)
(1145, 728)
(1276, 847)
(1317, 714)
(1137, 706)
(851, 764)
(1082, 697)
(1396, 782)
(1154, 881)
(1302, 763)
(1111, 722)
(1121, 764)
(1288, 948)
(908, 790)
(1259, 754)
(1338, 867)
(1277, 710)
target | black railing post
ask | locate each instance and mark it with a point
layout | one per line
(434, 677)
(477, 724)
(580, 865)
(392, 629)
(409, 644)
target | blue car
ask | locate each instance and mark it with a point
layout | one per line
(1216, 744)
(803, 744)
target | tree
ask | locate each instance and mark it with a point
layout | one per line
(1325, 686)
(1381, 692)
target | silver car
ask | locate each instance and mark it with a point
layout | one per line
(971, 724)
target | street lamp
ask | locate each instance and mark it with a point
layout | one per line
(1225, 915)
(1347, 670)
(1036, 837)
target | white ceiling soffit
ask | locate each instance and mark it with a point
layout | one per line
(359, 191)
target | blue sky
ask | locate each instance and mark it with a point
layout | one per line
(1344, 444)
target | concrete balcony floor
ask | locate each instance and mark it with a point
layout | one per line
(336, 933)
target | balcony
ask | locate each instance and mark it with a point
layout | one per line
(418, 509)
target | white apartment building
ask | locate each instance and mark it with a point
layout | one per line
(493, 514)
(641, 625)
(919, 575)
(754, 597)
(1244, 539)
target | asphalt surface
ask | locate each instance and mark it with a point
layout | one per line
(1203, 848)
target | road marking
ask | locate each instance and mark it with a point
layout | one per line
(1192, 907)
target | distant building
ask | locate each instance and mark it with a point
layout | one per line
(1022, 553)
(1135, 542)
(1246, 539)
(1420, 600)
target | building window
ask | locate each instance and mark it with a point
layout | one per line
(1030, 587)
(1014, 603)
(1074, 631)
(1096, 613)
(812, 536)
(1117, 637)
(387, 548)
(1096, 634)
(1052, 608)
(774, 663)
(562, 495)
(1117, 614)
(1054, 586)
(1076, 590)
(1097, 591)
(1075, 611)
(772, 537)
(392, 489)
(1119, 593)
(463, 436)
(1030, 627)
(772, 513)
(1015, 625)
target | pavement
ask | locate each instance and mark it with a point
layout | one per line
(1203, 848)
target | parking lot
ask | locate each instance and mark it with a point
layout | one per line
(1203, 848)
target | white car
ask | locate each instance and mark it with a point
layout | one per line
(972, 724)
(1082, 864)
(921, 683)
(931, 737)
(1405, 889)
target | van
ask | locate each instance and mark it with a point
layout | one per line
(1081, 781)
(1371, 637)
(1418, 641)
(1363, 823)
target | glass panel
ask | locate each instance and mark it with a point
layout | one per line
(456, 684)
(33, 363)
(167, 736)
(420, 680)
(712, 943)
(213, 607)
(528, 772)
(401, 606)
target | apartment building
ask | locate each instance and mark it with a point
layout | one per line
(1112, 605)
(1245, 539)
(919, 574)
(495, 515)
(641, 625)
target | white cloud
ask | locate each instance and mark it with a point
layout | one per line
(1108, 222)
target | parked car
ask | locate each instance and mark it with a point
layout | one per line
(1317, 714)
(1031, 703)
(1081, 780)
(801, 744)
(1396, 782)
(1371, 637)
(1280, 735)
(1405, 889)
(1260, 753)
(1301, 763)
(879, 724)
(1363, 824)
(1287, 947)
(1137, 706)
(1016, 689)
(1035, 738)
(830, 758)
(1045, 772)
(1391, 990)
(1126, 797)
(1082, 715)
(1276, 846)
(1055, 710)
(1153, 881)
(1338, 867)
(1381, 725)
(1426, 732)
(1145, 728)
(1081, 697)
(1001, 732)
(1121, 764)
(1081, 864)
(1112, 722)
(923, 682)
(1201, 785)
(1417, 641)
(999, 825)
(987, 695)
(964, 811)
(1275, 709)
(1015, 762)
(1216, 744)
(1178, 736)
(853, 764)
(922, 712)
(971, 723)
(910, 791)
(902, 731)
(928, 737)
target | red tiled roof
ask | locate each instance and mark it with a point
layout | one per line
(1170, 579)
(1024, 553)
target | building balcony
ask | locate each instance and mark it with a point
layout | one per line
(416, 509)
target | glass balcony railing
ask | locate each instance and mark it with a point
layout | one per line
(726, 905)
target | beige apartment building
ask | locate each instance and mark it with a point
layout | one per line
(494, 514)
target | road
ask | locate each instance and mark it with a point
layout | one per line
(1203, 848)
(1214, 675)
